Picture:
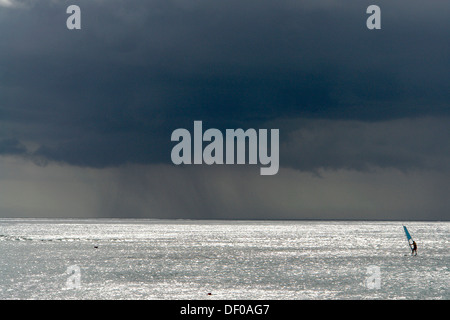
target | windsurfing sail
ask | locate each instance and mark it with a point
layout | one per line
(408, 237)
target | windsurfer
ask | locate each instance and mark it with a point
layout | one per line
(414, 248)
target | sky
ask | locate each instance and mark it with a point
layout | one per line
(86, 115)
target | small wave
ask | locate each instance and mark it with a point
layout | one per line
(68, 239)
(22, 238)
(14, 238)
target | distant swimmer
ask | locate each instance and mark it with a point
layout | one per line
(414, 248)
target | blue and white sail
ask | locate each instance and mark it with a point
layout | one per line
(408, 237)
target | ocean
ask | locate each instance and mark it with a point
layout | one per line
(131, 259)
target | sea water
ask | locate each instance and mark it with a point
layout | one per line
(200, 260)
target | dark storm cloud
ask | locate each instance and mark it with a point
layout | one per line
(11, 147)
(112, 92)
(406, 144)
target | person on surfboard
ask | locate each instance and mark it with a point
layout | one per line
(414, 248)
